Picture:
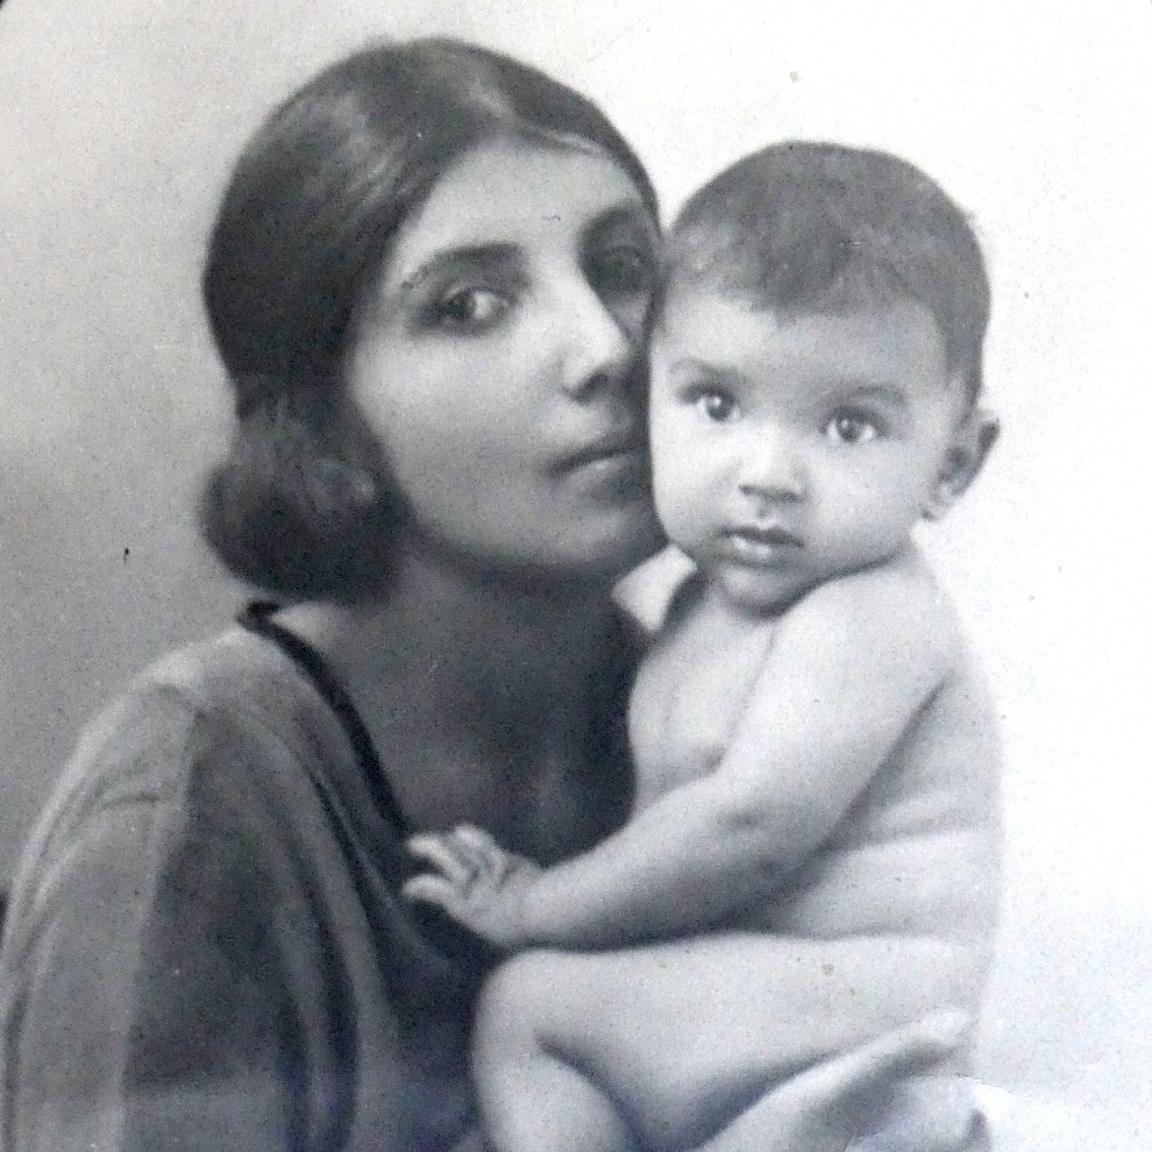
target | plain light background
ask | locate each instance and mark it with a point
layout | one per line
(118, 122)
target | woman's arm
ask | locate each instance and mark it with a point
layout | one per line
(849, 669)
(187, 965)
(133, 1018)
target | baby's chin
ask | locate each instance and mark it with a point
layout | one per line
(771, 590)
(760, 591)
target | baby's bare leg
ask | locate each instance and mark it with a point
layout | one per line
(662, 1046)
(844, 1103)
(533, 1095)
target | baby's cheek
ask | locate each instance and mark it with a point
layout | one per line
(678, 464)
(679, 512)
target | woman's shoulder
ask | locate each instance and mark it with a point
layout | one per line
(232, 673)
(220, 716)
(232, 682)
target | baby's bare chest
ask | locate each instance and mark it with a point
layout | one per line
(689, 696)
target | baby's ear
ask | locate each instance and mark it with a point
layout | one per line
(971, 443)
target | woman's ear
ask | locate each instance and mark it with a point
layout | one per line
(337, 487)
(971, 443)
(333, 457)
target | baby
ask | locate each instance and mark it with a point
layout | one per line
(815, 753)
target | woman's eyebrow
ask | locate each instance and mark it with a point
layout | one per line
(629, 214)
(467, 257)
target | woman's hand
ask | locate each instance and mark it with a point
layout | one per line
(475, 881)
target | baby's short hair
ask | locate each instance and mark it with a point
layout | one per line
(802, 226)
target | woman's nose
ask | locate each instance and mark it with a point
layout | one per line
(771, 469)
(597, 349)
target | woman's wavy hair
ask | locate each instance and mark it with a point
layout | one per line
(303, 231)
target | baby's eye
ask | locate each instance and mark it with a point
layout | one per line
(717, 406)
(470, 309)
(851, 428)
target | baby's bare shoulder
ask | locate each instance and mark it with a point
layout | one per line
(897, 609)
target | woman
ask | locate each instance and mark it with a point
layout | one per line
(429, 282)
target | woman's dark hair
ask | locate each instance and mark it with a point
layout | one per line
(304, 229)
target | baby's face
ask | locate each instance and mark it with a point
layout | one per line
(790, 450)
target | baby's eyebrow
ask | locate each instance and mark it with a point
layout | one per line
(693, 366)
(865, 389)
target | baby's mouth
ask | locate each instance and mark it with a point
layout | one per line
(762, 545)
(765, 536)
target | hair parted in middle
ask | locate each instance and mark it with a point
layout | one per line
(802, 226)
(307, 221)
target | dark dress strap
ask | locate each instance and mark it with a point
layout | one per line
(257, 618)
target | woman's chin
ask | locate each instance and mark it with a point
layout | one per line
(627, 540)
(599, 551)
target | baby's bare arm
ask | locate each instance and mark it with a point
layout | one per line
(850, 667)
(477, 882)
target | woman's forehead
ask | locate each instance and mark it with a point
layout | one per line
(513, 195)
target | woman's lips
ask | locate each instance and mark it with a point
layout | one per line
(617, 456)
(602, 449)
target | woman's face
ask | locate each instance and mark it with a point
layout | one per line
(500, 363)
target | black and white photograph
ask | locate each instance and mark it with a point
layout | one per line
(574, 577)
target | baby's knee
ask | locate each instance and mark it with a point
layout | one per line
(515, 1003)
(522, 985)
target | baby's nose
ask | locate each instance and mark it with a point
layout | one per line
(772, 471)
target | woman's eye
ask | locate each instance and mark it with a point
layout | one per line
(851, 428)
(470, 309)
(626, 270)
(718, 407)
